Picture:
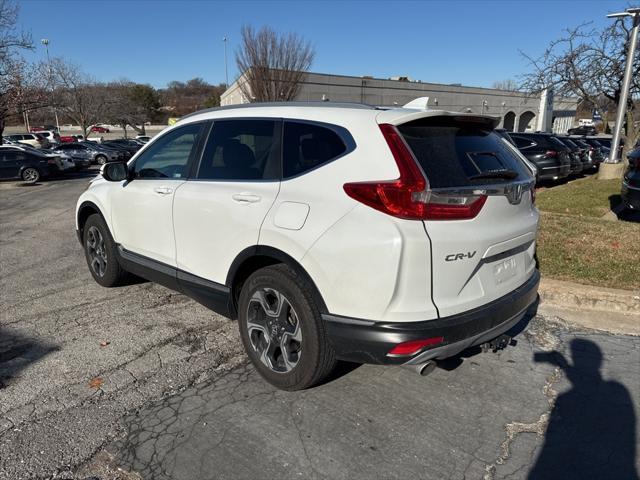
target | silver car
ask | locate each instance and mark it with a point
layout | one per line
(86, 154)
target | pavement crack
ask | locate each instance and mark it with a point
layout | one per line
(513, 429)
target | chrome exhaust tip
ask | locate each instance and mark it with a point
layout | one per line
(423, 369)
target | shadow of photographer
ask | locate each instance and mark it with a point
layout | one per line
(592, 427)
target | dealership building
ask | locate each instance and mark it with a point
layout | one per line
(518, 111)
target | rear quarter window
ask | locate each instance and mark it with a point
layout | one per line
(307, 146)
(451, 152)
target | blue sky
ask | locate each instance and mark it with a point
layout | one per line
(156, 41)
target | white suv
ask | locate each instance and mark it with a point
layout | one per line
(330, 231)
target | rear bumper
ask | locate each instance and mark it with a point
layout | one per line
(366, 341)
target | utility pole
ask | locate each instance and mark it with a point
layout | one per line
(624, 95)
(45, 42)
(226, 71)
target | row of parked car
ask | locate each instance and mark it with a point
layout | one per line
(21, 159)
(560, 156)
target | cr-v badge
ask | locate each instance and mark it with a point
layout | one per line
(459, 256)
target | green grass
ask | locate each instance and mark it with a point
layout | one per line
(587, 197)
(589, 251)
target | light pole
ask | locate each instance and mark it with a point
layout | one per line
(45, 42)
(622, 105)
(226, 71)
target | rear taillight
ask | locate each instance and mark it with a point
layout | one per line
(414, 346)
(51, 161)
(551, 153)
(409, 196)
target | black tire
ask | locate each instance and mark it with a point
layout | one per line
(30, 175)
(315, 358)
(101, 159)
(108, 273)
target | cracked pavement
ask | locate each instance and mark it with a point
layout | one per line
(55, 323)
(176, 399)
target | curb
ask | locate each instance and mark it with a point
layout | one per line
(608, 309)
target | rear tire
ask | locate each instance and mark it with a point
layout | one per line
(282, 330)
(101, 159)
(100, 252)
(30, 175)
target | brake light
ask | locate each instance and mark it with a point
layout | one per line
(414, 346)
(551, 153)
(409, 196)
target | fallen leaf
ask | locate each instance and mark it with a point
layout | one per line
(96, 382)
(615, 244)
(104, 343)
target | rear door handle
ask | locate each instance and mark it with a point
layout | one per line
(246, 198)
(163, 190)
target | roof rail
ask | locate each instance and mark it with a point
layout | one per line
(318, 104)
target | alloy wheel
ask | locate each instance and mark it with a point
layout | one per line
(30, 175)
(97, 251)
(274, 330)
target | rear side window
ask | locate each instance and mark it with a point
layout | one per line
(522, 142)
(242, 150)
(454, 153)
(309, 145)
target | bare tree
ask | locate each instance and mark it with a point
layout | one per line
(79, 97)
(508, 84)
(590, 64)
(21, 85)
(272, 66)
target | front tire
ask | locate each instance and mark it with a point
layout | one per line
(30, 175)
(282, 330)
(100, 252)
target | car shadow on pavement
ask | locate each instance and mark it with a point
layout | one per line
(18, 352)
(592, 427)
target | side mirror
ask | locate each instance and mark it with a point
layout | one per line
(115, 171)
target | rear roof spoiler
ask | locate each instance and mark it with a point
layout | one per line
(398, 116)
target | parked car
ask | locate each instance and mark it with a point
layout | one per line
(63, 162)
(631, 181)
(579, 155)
(395, 237)
(52, 137)
(44, 128)
(593, 142)
(547, 153)
(98, 129)
(606, 141)
(26, 166)
(85, 154)
(582, 130)
(122, 143)
(34, 139)
(594, 153)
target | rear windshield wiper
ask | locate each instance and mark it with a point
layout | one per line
(503, 173)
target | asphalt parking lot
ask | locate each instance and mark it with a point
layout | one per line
(141, 382)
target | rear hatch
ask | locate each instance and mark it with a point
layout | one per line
(484, 252)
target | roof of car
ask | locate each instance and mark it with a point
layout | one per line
(393, 115)
(318, 104)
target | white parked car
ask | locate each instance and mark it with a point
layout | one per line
(329, 231)
(33, 139)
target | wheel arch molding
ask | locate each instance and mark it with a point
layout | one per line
(259, 256)
(85, 210)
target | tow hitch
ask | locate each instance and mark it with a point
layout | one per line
(498, 343)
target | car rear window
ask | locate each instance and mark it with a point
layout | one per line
(453, 151)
